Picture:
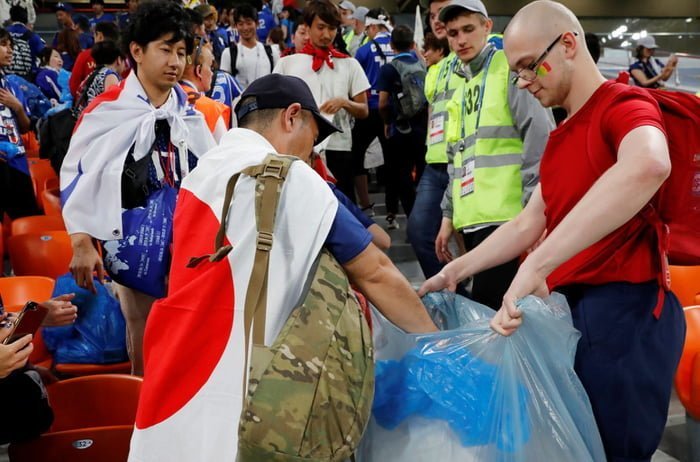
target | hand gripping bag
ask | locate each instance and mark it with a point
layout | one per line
(470, 394)
(97, 336)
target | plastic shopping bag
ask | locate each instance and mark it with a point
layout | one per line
(470, 394)
(98, 335)
(141, 260)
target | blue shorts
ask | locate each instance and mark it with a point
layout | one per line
(626, 360)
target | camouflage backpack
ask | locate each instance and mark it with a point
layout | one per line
(309, 394)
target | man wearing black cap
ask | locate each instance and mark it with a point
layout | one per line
(197, 420)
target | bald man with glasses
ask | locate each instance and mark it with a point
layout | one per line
(600, 171)
(495, 138)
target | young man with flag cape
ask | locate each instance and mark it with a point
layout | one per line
(133, 142)
(338, 83)
(194, 347)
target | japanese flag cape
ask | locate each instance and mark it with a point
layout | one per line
(92, 169)
(193, 349)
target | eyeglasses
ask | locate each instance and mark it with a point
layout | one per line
(529, 73)
(199, 43)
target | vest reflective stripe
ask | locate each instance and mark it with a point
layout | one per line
(440, 87)
(494, 151)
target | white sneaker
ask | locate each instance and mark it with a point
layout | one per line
(392, 223)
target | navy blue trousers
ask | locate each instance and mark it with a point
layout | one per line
(626, 360)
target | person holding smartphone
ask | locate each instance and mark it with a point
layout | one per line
(14, 355)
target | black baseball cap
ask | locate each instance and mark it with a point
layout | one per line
(275, 91)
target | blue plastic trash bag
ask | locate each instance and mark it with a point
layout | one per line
(141, 259)
(37, 102)
(470, 394)
(98, 335)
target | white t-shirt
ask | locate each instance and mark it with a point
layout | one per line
(251, 63)
(345, 80)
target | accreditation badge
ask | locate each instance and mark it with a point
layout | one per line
(436, 128)
(466, 185)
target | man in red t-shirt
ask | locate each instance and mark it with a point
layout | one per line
(84, 63)
(600, 168)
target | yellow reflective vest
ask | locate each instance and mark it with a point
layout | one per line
(440, 85)
(487, 147)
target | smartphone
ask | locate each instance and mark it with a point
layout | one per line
(27, 322)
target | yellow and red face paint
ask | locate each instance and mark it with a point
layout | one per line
(543, 69)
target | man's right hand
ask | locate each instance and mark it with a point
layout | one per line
(85, 261)
(442, 241)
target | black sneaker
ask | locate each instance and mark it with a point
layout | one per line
(392, 223)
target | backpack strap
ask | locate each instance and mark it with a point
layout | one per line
(268, 52)
(648, 213)
(270, 175)
(379, 50)
(233, 50)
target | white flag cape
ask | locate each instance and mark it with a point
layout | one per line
(192, 394)
(92, 170)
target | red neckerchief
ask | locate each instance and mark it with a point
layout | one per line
(321, 56)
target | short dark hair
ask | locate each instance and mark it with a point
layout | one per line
(45, 55)
(156, 19)
(257, 118)
(431, 42)
(4, 35)
(19, 14)
(402, 38)
(325, 10)
(106, 52)
(195, 17)
(245, 11)
(97, 2)
(109, 30)
(82, 22)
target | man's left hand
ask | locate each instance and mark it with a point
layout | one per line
(526, 282)
(333, 105)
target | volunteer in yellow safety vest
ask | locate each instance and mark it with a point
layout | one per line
(496, 135)
(356, 37)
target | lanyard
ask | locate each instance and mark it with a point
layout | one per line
(481, 96)
(449, 67)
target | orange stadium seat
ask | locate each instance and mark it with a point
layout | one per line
(37, 224)
(94, 401)
(18, 290)
(94, 419)
(46, 254)
(51, 200)
(42, 175)
(687, 379)
(685, 283)
(31, 144)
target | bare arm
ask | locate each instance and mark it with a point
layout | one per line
(85, 260)
(382, 283)
(356, 107)
(642, 166)
(644, 81)
(111, 80)
(380, 238)
(384, 106)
